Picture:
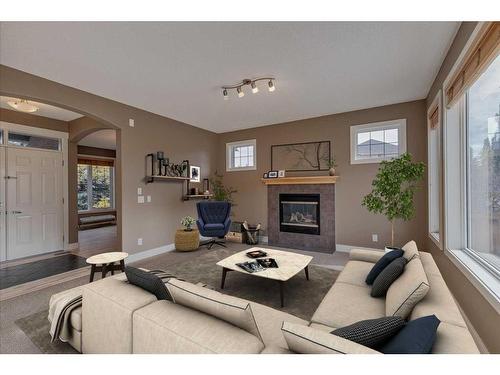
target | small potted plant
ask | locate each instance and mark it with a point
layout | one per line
(331, 165)
(393, 190)
(187, 222)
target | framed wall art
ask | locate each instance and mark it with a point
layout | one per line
(301, 157)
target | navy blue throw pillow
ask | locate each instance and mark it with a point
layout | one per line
(417, 337)
(382, 263)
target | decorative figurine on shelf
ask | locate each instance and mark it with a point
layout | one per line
(187, 222)
(166, 169)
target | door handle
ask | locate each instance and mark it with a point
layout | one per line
(16, 212)
(10, 177)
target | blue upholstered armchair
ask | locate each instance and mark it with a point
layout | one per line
(213, 221)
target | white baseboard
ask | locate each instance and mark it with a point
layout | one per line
(347, 248)
(73, 246)
(150, 253)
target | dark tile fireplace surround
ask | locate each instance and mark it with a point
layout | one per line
(302, 216)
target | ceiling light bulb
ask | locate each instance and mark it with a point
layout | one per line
(271, 86)
(241, 94)
(255, 89)
(22, 105)
(224, 92)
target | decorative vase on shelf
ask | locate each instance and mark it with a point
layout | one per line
(331, 171)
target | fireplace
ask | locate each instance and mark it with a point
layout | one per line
(299, 213)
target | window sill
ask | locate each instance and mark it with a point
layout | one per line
(241, 169)
(434, 236)
(372, 161)
(487, 284)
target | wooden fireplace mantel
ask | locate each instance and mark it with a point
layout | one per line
(303, 180)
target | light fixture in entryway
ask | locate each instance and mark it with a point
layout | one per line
(248, 82)
(22, 105)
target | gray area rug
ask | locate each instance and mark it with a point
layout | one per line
(302, 297)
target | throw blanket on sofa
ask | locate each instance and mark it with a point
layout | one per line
(60, 310)
(63, 304)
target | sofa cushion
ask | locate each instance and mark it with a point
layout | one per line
(411, 250)
(382, 264)
(148, 280)
(366, 255)
(230, 309)
(75, 319)
(345, 304)
(371, 332)
(452, 339)
(307, 340)
(169, 328)
(417, 337)
(269, 322)
(429, 264)
(407, 290)
(275, 350)
(388, 275)
(108, 306)
(355, 273)
(438, 301)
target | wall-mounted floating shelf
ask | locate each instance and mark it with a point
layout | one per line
(150, 179)
(197, 196)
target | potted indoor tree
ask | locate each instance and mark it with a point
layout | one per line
(394, 188)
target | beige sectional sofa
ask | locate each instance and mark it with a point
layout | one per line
(118, 317)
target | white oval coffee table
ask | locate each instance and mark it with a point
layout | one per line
(105, 262)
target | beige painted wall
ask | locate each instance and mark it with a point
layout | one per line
(155, 222)
(354, 224)
(482, 315)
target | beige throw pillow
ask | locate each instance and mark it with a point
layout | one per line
(411, 251)
(230, 309)
(407, 290)
(307, 340)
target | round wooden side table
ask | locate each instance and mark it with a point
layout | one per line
(105, 263)
(187, 240)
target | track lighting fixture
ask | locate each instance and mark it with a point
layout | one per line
(250, 82)
(255, 89)
(271, 85)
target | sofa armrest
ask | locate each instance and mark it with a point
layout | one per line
(371, 256)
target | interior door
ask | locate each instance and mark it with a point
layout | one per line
(34, 208)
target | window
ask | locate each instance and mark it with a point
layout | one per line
(434, 168)
(471, 138)
(26, 140)
(372, 143)
(95, 184)
(483, 166)
(241, 156)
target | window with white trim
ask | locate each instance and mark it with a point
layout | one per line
(95, 184)
(372, 143)
(434, 168)
(241, 155)
(472, 179)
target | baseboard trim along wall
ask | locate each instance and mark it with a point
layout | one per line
(171, 247)
(73, 246)
(150, 253)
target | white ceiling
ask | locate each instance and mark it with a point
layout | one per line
(101, 139)
(44, 110)
(176, 69)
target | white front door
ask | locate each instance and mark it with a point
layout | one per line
(34, 202)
